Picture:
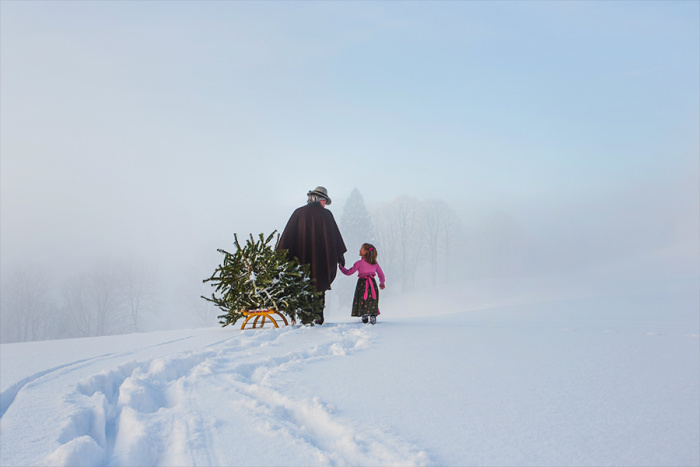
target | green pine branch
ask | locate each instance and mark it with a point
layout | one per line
(256, 277)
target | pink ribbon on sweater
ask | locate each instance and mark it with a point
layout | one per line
(369, 284)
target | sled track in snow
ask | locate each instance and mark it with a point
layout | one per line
(7, 397)
(152, 412)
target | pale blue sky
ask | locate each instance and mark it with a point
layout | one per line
(127, 125)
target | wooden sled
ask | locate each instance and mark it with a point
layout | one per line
(265, 314)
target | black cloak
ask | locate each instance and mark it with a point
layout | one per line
(312, 236)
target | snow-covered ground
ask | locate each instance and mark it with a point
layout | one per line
(519, 373)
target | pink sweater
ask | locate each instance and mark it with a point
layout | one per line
(365, 270)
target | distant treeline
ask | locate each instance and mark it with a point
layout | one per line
(421, 243)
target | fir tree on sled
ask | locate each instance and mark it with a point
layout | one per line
(258, 280)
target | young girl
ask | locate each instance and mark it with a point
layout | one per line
(366, 301)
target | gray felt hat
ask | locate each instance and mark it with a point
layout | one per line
(321, 191)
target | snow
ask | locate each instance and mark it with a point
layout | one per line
(538, 372)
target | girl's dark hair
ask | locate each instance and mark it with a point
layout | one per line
(371, 255)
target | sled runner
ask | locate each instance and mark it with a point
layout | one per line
(265, 314)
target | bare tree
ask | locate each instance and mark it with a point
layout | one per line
(95, 303)
(78, 319)
(400, 234)
(107, 297)
(451, 244)
(388, 243)
(439, 222)
(26, 307)
(442, 230)
(139, 294)
(419, 240)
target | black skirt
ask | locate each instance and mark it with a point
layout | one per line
(364, 303)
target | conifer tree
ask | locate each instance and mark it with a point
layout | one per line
(258, 277)
(356, 223)
(356, 227)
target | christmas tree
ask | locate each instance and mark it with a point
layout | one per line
(258, 277)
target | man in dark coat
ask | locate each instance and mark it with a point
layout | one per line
(312, 236)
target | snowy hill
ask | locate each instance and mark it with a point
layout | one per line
(563, 379)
